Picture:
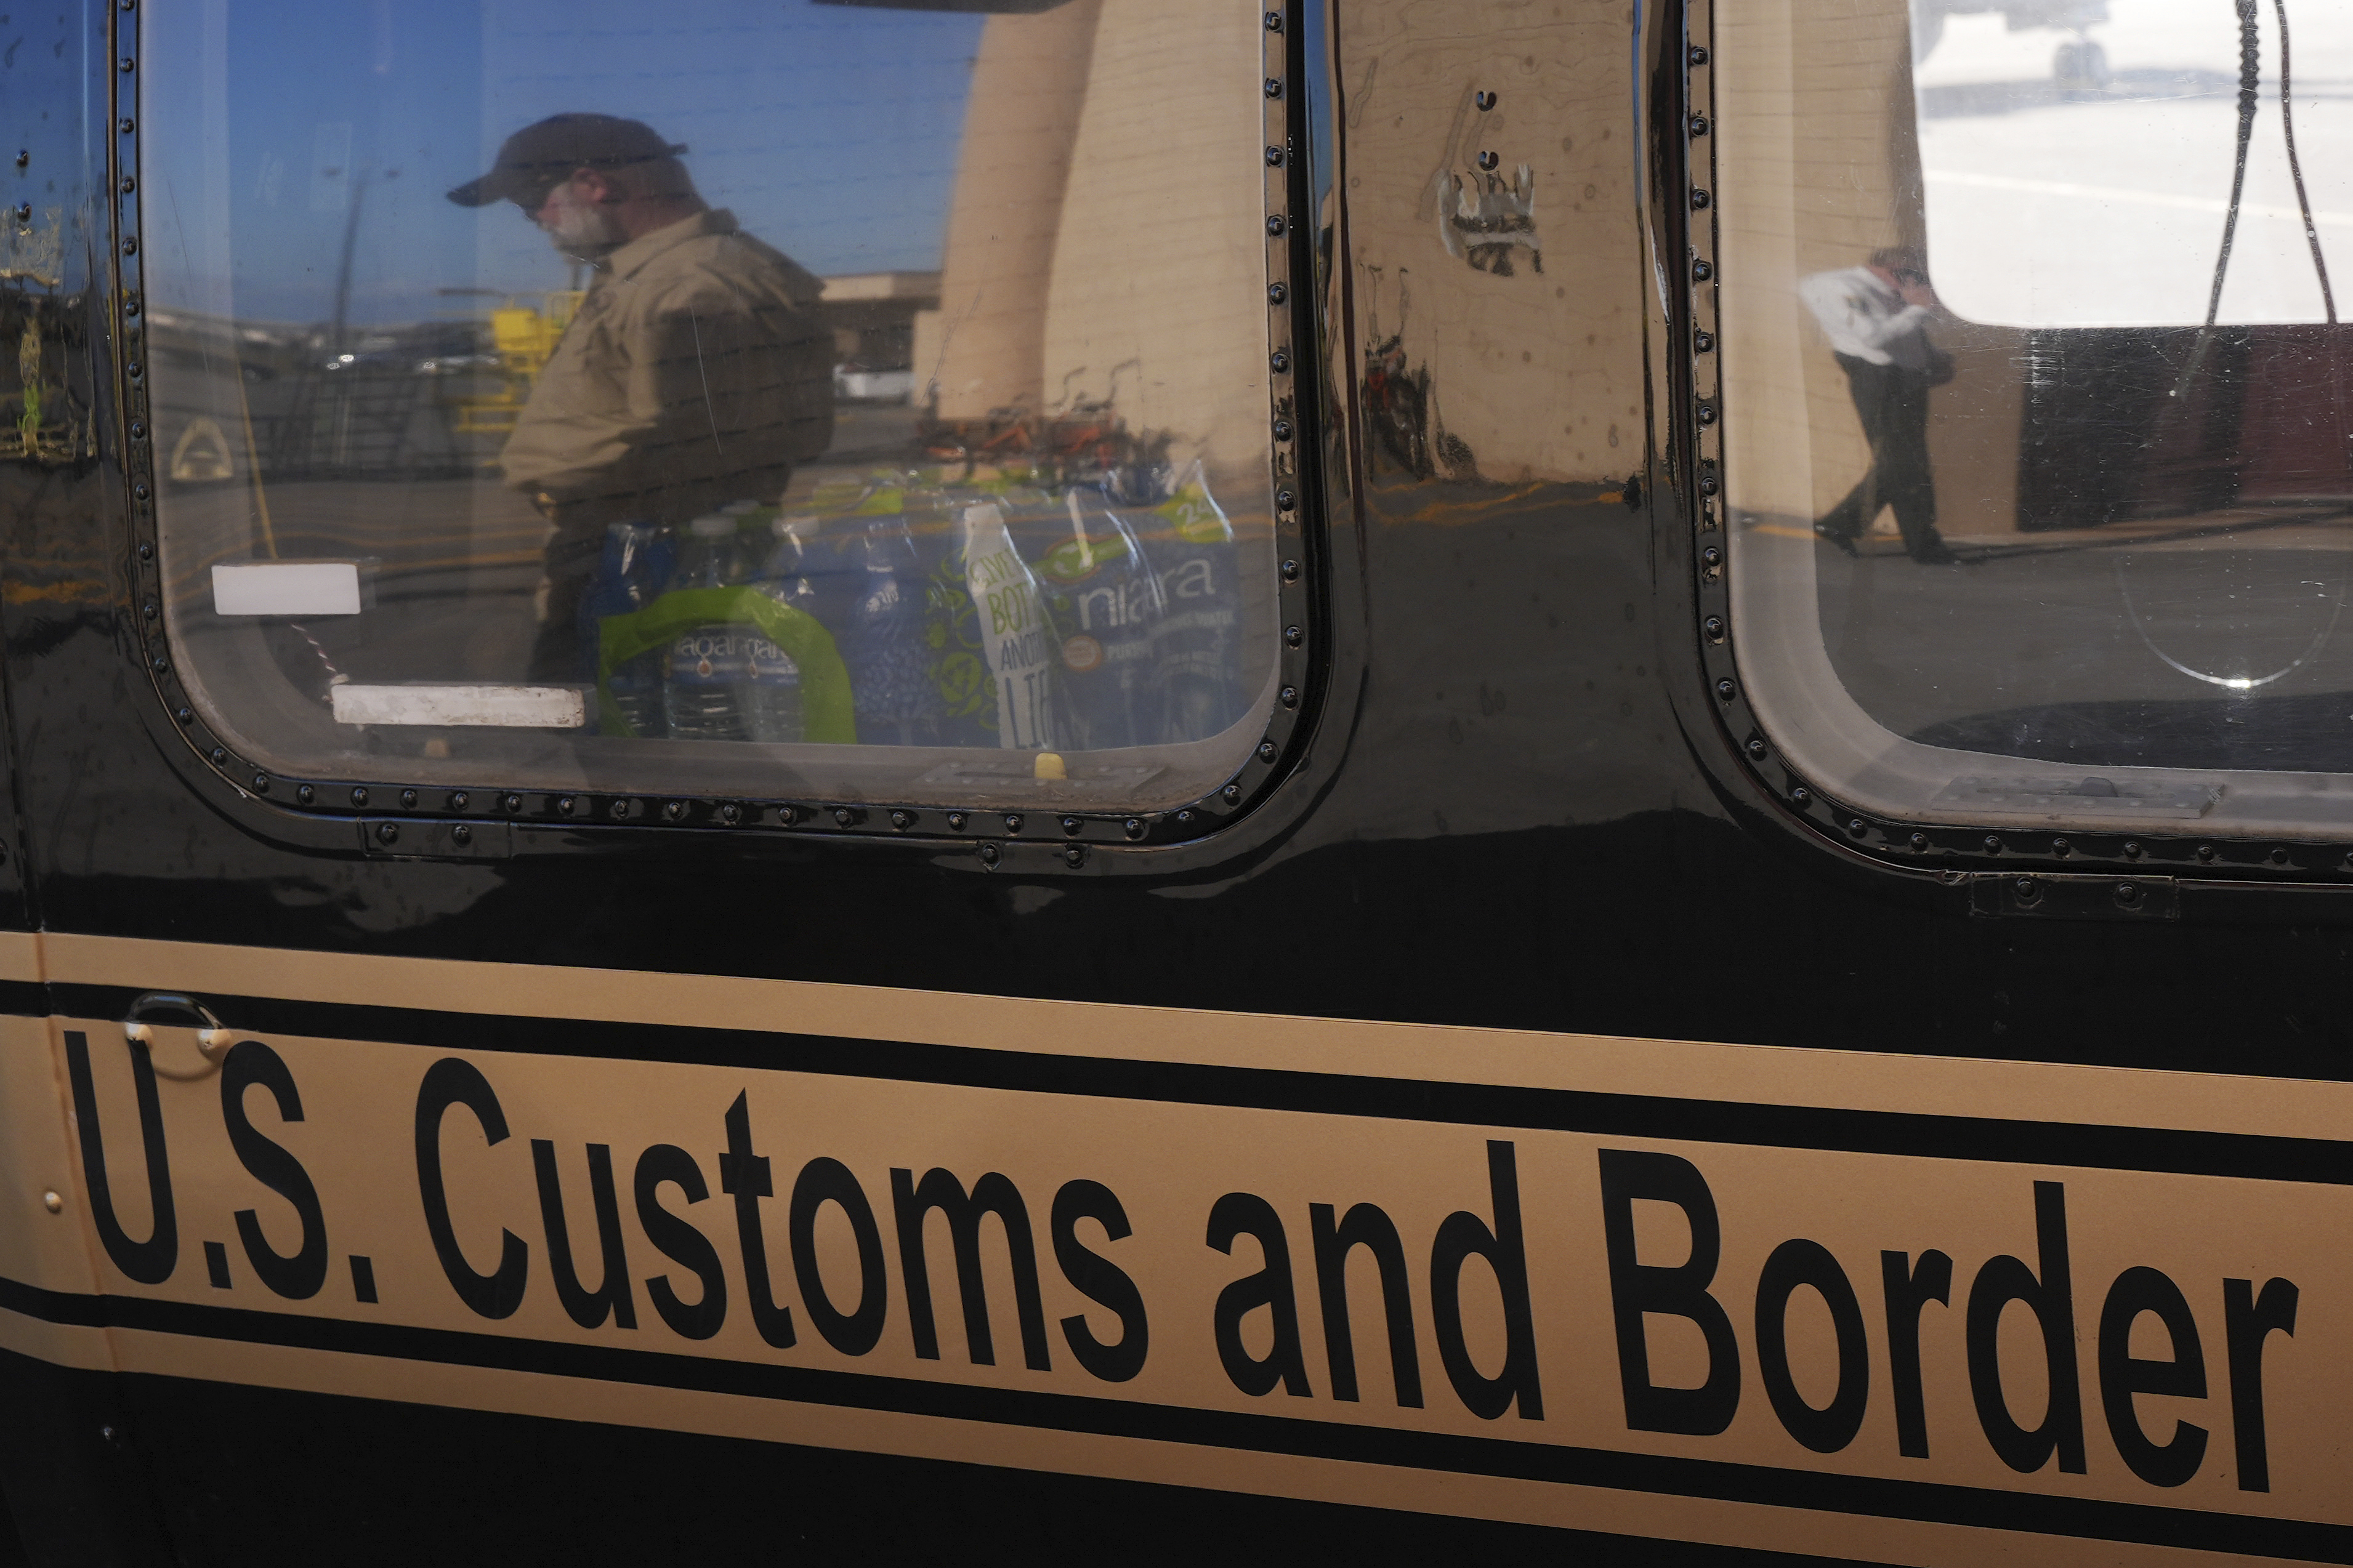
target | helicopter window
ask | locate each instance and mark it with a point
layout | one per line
(820, 398)
(2036, 405)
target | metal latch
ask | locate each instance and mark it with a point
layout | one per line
(2039, 896)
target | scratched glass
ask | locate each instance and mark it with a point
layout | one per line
(2036, 405)
(811, 399)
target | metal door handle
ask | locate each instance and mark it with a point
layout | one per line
(212, 1040)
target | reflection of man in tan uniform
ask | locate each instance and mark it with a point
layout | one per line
(696, 371)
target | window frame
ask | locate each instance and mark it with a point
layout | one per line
(1787, 723)
(408, 819)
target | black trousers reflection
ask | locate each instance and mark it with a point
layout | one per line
(1893, 403)
(559, 654)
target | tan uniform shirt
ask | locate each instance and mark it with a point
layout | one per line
(696, 372)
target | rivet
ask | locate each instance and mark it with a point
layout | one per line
(458, 799)
(220, 755)
(129, 185)
(1699, 124)
(2132, 849)
(1485, 100)
(1185, 818)
(1703, 342)
(511, 802)
(1725, 690)
(955, 822)
(408, 798)
(1266, 751)
(126, 125)
(2205, 852)
(138, 431)
(731, 814)
(1488, 161)
(619, 810)
(305, 794)
(1709, 484)
(2025, 888)
(1288, 697)
(1013, 822)
(1293, 637)
(1857, 827)
(2279, 856)
(1274, 21)
(903, 820)
(1710, 557)
(2062, 848)
(1074, 854)
(130, 305)
(1071, 824)
(23, 157)
(106, 1433)
(463, 834)
(148, 609)
(674, 810)
(1701, 271)
(1919, 842)
(147, 552)
(1282, 429)
(1290, 571)
(990, 854)
(1700, 200)
(1284, 500)
(185, 716)
(2127, 894)
(1706, 414)
(130, 246)
(359, 797)
(843, 816)
(1133, 826)
(1273, 87)
(53, 1203)
(1801, 796)
(1757, 747)
(261, 784)
(1274, 157)
(787, 815)
(24, 211)
(1277, 361)
(126, 65)
(1277, 293)
(139, 492)
(1698, 54)
(387, 832)
(1992, 845)
(1274, 224)
(1713, 627)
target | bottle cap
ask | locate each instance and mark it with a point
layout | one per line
(712, 525)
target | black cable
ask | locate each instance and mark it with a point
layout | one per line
(2295, 169)
(2251, 76)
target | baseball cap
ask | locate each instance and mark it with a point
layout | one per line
(539, 157)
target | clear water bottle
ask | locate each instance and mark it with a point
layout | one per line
(637, 562)
(705, 668)
(885, 636)
(1010, 614)
(1198, 643)
(1106, 605)
(769, 699)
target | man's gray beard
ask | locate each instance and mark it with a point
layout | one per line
(592, 239)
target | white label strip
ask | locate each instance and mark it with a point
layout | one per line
(287, 588)
(495, 707)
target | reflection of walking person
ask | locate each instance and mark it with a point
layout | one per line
(1877, 317)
